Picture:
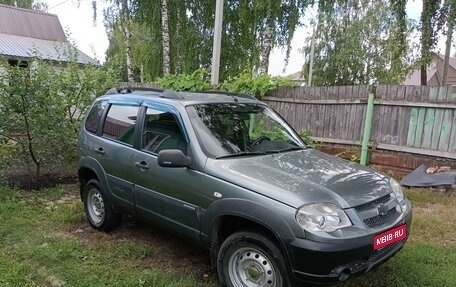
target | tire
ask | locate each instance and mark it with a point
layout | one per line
(97, 207)
(250, 259)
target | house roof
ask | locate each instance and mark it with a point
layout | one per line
(31, 24)
(17, 47)
(415, 77)
(451, 62)
(26, 33)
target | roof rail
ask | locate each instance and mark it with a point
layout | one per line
(239, 95)
(129, 90)
(168, 94)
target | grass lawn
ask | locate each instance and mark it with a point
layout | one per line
(45, 241)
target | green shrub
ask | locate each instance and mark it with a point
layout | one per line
(41, 110)
(258, 86)
(196, 81)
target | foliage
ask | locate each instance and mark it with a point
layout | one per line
(191, 24)
(41, 110)
(196, 81)
(307, 137)
(247, 83)
(366, 47)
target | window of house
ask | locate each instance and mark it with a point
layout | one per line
(120, 123)
(21, 64)
(161, 131)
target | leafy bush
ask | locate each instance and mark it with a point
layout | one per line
(196, 81)
(245, 83)
(41, 109)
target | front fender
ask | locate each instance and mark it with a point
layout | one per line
(249, 210)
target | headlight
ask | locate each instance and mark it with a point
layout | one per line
(322, 217)
(396, 189)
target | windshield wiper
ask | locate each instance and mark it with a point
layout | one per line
(286, 149)
(239, 154)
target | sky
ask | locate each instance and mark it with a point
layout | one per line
(77, 20)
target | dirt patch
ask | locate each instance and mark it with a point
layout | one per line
(164, 251)
(51, 177)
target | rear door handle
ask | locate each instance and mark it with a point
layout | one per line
(142, 165)
(100, 150)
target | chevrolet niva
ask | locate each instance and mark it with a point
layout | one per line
(228, 173)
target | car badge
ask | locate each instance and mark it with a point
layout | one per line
(382, 209)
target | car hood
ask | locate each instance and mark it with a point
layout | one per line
(301, 177)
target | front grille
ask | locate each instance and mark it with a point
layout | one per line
(383, 199)
(380, 219)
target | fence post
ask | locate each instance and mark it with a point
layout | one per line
(367, 129)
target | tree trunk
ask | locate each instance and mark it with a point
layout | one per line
(130, 73)
(124, 27)
(165, 37)
(426, 39)
(267, 42)
(266, 46)
(450, 24)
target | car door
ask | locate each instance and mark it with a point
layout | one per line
(169, 196)
(115, 151)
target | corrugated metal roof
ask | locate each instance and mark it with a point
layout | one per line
(17, 47)
(30, 23)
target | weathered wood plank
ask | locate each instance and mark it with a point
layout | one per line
(413, 123)
(452, 144)
(419, 127)
(445, 131)
(427, 128)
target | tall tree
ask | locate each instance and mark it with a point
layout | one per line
(428, 34)
(450, 9)
(359, 42)
(165, 37)
(118, 17)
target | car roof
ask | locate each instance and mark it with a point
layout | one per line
(127, 94)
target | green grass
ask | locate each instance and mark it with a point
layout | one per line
(39, 247)
(33, 251)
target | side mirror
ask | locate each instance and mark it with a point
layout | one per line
(173, 158)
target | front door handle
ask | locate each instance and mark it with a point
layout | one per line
(100, 150)
(142, 165)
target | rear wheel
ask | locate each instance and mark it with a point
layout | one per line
(98, 210)
(249, 259)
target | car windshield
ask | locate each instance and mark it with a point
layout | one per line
(237, 129)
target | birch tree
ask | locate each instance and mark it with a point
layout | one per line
(165, 37)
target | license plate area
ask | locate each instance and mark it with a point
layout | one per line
(388, 237)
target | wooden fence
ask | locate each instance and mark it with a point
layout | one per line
(414, 119)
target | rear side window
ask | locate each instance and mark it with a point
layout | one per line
(120, 123)
(94, 116)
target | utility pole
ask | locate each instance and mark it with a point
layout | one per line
(217, 42)
(311, 60)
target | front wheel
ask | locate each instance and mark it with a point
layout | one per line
(249, 259)
(97, 207)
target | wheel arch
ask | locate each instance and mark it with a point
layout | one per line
(88, 169)
(227, 216)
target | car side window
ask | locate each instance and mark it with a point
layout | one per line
(94, 116)
(120, 123)
(161, 131)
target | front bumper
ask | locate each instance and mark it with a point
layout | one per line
(319, 262)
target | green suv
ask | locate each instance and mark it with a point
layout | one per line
(228, 173)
